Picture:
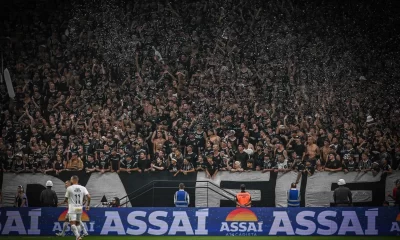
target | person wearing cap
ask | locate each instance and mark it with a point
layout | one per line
(174, 167)
(181, 197)
(243, 198)
(48, 197)
(293, 196)
(342, 195)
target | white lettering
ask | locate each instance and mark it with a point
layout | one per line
(395, 227)
(276, 227)
(112, 217)
(201, 222)
(57, 227)
(308, 224)
(160, 224)
(91, 225)
(242, 227)
(252, 227)
(234, 227)
(371, 226)
(34, 228)
(260, 226)
(331, 225)
(350, 217)
(19, 227)
(91, 229)
(141, 225)
(224, 227)
(181, 217)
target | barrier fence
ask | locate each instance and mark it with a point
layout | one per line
(207, 221)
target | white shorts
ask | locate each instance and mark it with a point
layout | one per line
(73, 217)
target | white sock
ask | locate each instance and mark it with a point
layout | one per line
(83, 228)
(65, 225)
(75, 230)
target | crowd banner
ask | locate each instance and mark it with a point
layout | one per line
(207, 221)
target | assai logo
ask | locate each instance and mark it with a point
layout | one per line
(396, 225)
(241, 222)
(63, 217)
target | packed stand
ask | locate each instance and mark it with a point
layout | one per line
(109, 86)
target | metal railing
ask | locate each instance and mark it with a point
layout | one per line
(150, 186)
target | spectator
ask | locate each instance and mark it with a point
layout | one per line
(116, 83)
(90, 165)
(115, 160)
(190, 155)
(309, 169)
(144, 164)
(211, 168)
(47, 166)
(20, 199)
(74, 164)
(115, 202)
(103, 163)
(187, 167)
(282, 164)
(241, 156)
(237, 167)
(201, 164)
(174, 167)
(350, 165)
(268, 164)
(225, 165)
(333, 165)
(18, 165)
(129, 166)
(159, 165)
(365, 164)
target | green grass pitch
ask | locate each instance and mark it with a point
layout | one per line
(207, 238)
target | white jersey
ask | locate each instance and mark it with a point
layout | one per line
(282, 165)
(76, 194)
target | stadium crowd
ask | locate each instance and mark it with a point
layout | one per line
(184, 86)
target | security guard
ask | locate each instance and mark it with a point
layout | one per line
(342, 195)
(48, 198)
(181, 197)
(243, 199)
(293, 196)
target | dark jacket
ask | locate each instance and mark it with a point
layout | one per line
(48, 198)
(343, 195)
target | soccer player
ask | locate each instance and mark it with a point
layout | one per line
(66, 221)
(74, 196)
